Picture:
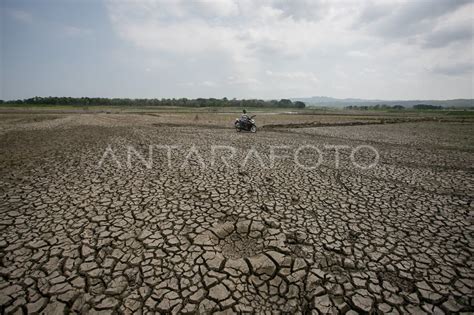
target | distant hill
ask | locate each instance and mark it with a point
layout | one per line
(343, 102)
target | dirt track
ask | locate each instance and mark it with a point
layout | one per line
(192, 237)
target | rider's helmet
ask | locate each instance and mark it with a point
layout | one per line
(244, 111)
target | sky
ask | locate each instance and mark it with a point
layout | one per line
(394, 50)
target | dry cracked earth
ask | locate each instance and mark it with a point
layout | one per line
(196, 236)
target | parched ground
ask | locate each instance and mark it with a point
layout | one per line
(191, 234)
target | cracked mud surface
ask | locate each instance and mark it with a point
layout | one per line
(78, 238)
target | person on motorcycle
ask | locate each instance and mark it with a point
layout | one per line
(245, 122)
(244, 117)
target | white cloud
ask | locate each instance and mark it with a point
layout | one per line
(209, 83)
(298, 76)
(358, 53)
(243, 81)
(347, 43)
(454, 69)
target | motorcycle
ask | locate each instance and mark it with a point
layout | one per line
(246, 124)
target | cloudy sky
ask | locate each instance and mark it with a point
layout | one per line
(237, 48)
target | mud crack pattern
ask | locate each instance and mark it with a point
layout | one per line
(76, 238)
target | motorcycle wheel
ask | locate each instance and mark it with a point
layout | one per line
(253, 129)
(237, 126)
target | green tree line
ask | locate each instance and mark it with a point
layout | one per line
(183, 102)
